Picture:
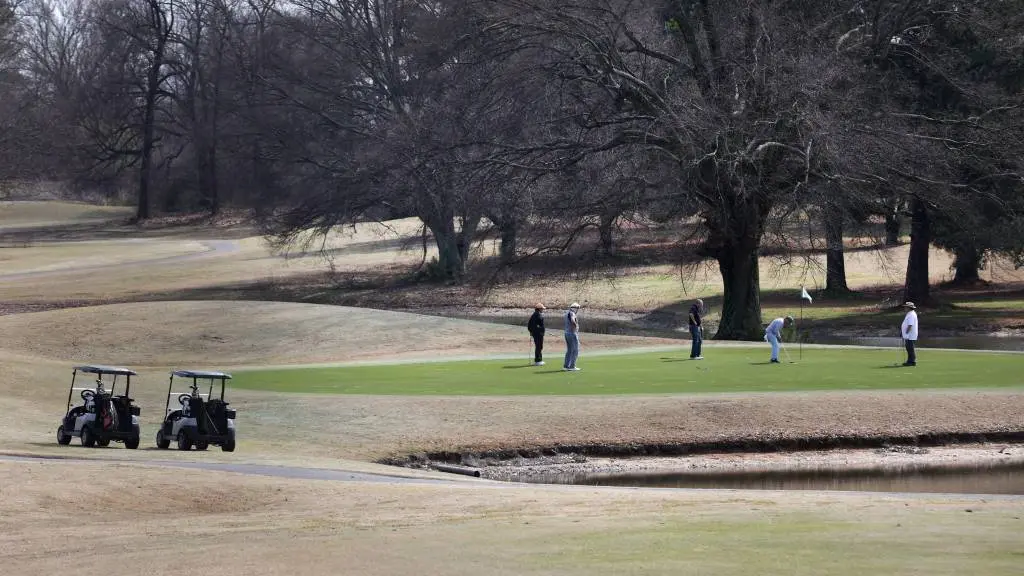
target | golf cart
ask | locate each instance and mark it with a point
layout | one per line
(103, 415)
(200, 419)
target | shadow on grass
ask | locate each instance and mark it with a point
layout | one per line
(76, 444)
(871, 308)
(43, 444)
(517, 366)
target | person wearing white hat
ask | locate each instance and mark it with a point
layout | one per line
(572, 338)
(909, 333)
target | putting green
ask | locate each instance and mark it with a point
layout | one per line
(723, 370)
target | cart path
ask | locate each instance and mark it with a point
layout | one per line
(296, 472)
(211, 248)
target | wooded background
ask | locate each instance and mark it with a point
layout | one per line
(753, 121)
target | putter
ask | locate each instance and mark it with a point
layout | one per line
(784, 350)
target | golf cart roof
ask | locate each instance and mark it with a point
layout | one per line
(101, 370)
(201, 374)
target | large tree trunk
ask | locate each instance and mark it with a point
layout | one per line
(153, 82)
(967, 262)
(450, 265)
(916, 288)
(509, 236)
(145, 166)
(213, 187)
(892, 225)
(835, 264)
(465, 238)
(207, 175)
(741, 302)
(605, 229)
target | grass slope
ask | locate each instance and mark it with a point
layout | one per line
(725, 370)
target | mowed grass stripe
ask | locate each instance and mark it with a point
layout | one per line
(724, 370)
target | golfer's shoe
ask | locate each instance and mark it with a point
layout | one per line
(696, 357)
(775, 361)
(538, 363)
(910, 363)
(574, 369)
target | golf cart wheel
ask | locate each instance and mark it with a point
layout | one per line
(202, 445)
(161, 441)
(132, 443)
(88, 439)
(62, 438)
(103, 443)
(184, 442)
(229, 444)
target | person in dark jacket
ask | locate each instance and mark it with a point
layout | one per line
(536, 328)
(696, 330)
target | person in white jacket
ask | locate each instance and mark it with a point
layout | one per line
(909, 332)
(773, 335)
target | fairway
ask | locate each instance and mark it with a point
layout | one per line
(724, 370)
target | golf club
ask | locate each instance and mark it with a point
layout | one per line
(784, 350)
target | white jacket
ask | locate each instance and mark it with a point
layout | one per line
(909, 328)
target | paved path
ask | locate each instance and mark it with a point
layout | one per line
(244, 468)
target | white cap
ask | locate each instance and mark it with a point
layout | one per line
(574, 305)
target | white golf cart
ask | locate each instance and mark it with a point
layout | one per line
(199, 419)
(103, 415)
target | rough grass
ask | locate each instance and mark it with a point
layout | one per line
(29, 213)
(227, 523)
(85, 256)
(724, 370)
(223, 334)
(271, 526)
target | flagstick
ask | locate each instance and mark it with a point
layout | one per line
(801, 324)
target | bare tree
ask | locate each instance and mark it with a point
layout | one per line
(390, 117)
(9, 85)
(723, 93)
(945, 123)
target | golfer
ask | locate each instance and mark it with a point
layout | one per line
(773, 333)
(909, 332)
(572, 338)
(536, 328)
(696, 330)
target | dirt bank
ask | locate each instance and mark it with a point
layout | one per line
(890, 457)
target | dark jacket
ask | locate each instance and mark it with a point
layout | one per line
(536, 323)
(694, 317)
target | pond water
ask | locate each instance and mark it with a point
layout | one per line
(1001, 479)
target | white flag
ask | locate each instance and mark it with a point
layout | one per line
(805, 295)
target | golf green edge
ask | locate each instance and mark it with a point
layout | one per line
(740, 369)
